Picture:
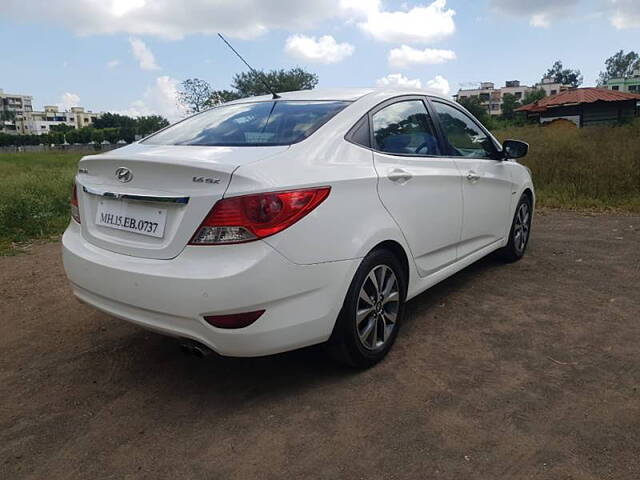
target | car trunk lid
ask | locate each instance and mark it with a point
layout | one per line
(148, 200)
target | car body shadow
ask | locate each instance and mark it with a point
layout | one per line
(157, 362)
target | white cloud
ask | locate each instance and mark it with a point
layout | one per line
(111, 64)
(360, 7)
(541, 13)
(175, 19)
(323, 50)
(238, 18)
(122, 7)
(439, 84)
(159, 99)
(397, 80)
(405, 56)
(143, 54)
(68, 100)
(540, 20)
(626, 13)
(422, 24)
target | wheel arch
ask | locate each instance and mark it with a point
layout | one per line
(399, 252)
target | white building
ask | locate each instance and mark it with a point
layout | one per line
(38, 123)
(18, 116)
(13, 105)
(551, 87)
(492, 98)
(628, 84)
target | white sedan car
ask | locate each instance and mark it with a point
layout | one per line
(265, 225)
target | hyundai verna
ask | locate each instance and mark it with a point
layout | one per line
(265, 225)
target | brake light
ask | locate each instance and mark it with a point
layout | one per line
(75, 209)
(251, 217)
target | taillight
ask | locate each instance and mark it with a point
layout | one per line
(250, 217)
(75, 209)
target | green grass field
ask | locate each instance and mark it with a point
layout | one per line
(34, 196)
(592, 168)
(596, 168)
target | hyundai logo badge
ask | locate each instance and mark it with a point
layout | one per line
(124, 175)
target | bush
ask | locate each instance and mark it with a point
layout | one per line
(594, 167)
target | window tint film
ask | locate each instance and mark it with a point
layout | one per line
(463, 134)
(250, 124)
(405, 128)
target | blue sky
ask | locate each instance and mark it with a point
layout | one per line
(129, 55)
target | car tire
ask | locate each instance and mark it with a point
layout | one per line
(520, 231)
(368, 323)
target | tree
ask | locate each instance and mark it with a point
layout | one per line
(533, 96)
(620, 65)
(195, 94)
(476, 109)
(198, 95)
(151, 123)
(97, 136)
(7, 116)
(56, 138)
(62, 128)
(247, 84)
(114, 120)
(73, 136)
(111, 135)
(509, 105)
(223, 96)
(565, 76)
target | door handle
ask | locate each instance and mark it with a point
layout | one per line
(473, 176)
(399, 175)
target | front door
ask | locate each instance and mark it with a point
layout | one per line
(420, 189)
(486, 181)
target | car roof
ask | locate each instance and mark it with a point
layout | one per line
(341, 94)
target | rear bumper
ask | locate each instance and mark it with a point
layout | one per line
(302, 302)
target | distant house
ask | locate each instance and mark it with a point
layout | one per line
(585, 107)
(629, 84)
(492, 98)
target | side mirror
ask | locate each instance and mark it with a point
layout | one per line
(515, 149)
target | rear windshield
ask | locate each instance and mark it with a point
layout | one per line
(250, 124)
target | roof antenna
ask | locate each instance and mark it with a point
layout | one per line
(259, 75)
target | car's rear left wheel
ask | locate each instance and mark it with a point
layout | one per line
(373, 308)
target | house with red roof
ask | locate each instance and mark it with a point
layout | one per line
(585, 107)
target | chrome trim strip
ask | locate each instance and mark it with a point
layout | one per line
(132, 196)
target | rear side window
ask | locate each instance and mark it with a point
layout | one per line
(465, 137)
(405, 128)
(250, 124)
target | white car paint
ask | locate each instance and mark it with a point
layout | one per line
(441, 220)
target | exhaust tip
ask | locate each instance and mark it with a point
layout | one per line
(194, 348)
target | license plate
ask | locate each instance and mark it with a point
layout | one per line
(131, 217)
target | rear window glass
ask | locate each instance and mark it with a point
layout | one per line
(250, 124)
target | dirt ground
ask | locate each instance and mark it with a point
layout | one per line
(528, 370)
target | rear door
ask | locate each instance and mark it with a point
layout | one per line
(420, 188)
(486, 181)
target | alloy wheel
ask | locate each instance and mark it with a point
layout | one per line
(377, 307)
(522, 227)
